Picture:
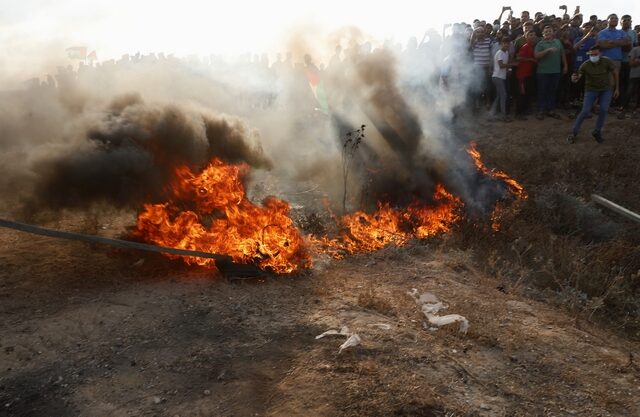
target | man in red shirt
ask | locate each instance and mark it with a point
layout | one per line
(525, 75)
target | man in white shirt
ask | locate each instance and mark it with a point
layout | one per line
(499, 77)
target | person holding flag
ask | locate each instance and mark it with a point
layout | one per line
(77, 52)
(312, 73)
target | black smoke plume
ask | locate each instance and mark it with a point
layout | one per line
(131, 153)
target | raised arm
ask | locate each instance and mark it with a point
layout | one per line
(501, 13)
(583, 39)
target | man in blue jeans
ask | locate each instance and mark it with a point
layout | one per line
(598, 72)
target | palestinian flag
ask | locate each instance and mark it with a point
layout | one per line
(317, 88)
(77, 52)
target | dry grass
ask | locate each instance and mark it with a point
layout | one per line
(370, 300)
(557, 240)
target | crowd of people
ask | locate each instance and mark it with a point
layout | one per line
(511, 67)
(549, 62)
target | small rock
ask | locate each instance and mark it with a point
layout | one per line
(207, 392)
(485, 406)
(157, 400)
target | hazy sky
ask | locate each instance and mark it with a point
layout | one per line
(37, 31)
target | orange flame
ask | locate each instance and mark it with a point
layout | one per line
(209, 212)
(514, 188)
(221, 220)
(363, 232)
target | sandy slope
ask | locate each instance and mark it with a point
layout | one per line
(87, 331)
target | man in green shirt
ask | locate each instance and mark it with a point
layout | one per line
(550, 55)
(598, 71)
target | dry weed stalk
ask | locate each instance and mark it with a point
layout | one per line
(350, 145)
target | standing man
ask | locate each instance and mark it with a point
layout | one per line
(574, 30)
(481, 54)
(598, 72)
(519, 30)
(528, 27)
(612, 40)
(524, 75)
(582, 48)
(500, 66)
(551, 64)
(624, 67)
(634, 83)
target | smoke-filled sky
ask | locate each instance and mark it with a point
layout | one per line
(115, 134)
(36, 32)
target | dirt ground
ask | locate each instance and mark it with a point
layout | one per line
(92, 331)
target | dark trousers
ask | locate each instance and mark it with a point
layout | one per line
(547, 90)
(524, 89)
(577, 89)
(564, 90)
(633, 89)
(480, 91)
(625, 68)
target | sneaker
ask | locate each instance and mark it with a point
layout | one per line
(571, 138)
(540, 116)
(597, 136)
(554, 115)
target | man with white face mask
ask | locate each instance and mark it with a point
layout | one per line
(598, 72)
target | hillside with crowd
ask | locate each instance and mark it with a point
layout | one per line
(539, 63)
(546, 66)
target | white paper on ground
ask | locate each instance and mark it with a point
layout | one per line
(353, 340)
(344, 332)
(430, 306)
